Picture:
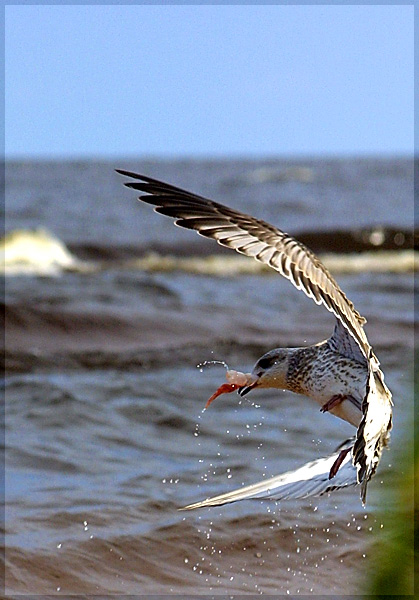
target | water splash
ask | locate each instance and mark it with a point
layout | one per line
(208, 363)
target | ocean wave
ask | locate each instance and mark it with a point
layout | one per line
(263, 553)
(36, 252)
(399, 261)
(39, 252)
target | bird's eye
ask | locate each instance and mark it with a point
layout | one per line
(265, 363)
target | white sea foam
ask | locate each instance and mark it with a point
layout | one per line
(39, 252)
(35, 252)
(391, 261)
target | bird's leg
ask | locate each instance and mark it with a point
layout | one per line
(334, 401)
(337, 399)
(338, 462)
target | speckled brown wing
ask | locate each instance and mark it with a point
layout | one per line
(271, 246)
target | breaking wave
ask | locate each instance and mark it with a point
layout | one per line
(39, 252)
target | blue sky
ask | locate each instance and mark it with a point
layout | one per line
(205, 81)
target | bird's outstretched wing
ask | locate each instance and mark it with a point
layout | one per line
(271, 246)
(312, 479)
(257, 239)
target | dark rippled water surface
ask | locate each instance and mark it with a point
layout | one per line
(105, 433)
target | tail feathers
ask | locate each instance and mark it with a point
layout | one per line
(312, 479)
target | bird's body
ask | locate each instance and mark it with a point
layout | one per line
(341, 374)
(320, 373)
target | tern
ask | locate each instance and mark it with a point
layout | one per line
(342, 373)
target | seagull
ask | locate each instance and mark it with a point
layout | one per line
(341, 373)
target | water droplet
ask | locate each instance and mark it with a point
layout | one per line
(209, 363)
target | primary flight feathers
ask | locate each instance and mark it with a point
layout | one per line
(312, 479)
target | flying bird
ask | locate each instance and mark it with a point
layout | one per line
(342, 373)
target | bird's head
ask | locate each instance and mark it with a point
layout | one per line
(270, 371)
